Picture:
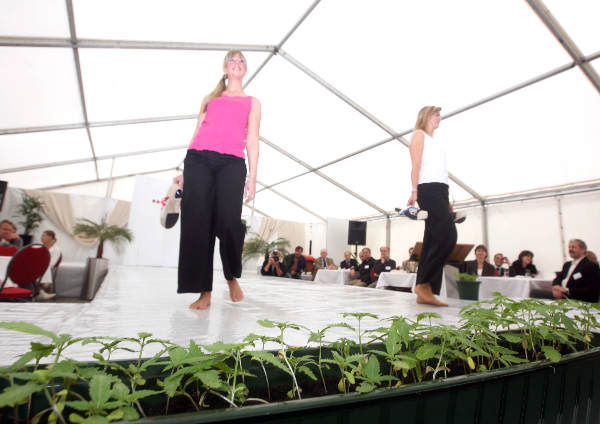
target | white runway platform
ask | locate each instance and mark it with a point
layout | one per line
(144, 299)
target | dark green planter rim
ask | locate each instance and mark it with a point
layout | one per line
(328, 401)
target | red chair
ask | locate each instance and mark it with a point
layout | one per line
(8, 250)
(25, 269)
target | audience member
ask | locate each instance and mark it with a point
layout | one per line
(579, 278)
(49, 240)
(295, 263)
(323, 262)
(410, 265)
(384, 264)
(273, 266)
(591, 256)
(8, 234)
(524, 265)
(480, 265)
(349, 262)
(364, 271)
(499, 261)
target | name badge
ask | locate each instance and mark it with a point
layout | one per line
(577, 276)
(366, 266)
(387, 268)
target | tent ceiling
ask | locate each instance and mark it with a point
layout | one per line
(340, 85)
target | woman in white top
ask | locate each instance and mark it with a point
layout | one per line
(429, 179)
(49, 240)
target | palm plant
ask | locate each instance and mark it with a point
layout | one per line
(31, 210)
(259, 246)
(103, 232)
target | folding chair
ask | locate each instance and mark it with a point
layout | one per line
(25, 269)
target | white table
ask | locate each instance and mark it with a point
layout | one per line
(332, 276)
(4, 260)
(396, 279)
(517, 287)
(514, 287)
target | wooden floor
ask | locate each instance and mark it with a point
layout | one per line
(144, 299)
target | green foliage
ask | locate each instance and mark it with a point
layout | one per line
(258, 246)
(30, 210)
(463, 276)
(406, 351)
(103, 232)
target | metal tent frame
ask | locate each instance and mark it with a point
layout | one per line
(578, 60)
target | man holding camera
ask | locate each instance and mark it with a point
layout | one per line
(273, 266)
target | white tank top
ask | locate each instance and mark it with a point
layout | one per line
(433, 161)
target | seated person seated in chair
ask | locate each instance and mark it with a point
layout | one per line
(8, 234)
(362, 275)
(480, 265)
(273, 266)
(383, 264)
(295, 263)
(501, 264)
(349, 262)
(579, 278)
(410, 265)
(49, 240)
(322, 262)
(524, 265)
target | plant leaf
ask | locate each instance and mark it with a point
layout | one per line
(427, 351)
(551, 353)
(13, 395)
(26, 327)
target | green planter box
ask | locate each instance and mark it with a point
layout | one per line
(468, 290)
(541, 392)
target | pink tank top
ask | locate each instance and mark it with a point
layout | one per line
(225, 126)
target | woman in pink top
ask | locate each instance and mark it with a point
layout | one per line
(215, 184)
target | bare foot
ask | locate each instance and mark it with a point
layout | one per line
(425, 295)
(203, 302)
(235, 291)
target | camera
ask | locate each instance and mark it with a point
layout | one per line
(276, 258)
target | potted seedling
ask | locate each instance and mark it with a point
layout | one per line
(468, 286)
(98, 266)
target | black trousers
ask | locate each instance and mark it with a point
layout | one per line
(439, 238)
(211, 207)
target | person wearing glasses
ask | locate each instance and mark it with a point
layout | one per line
(216, 182)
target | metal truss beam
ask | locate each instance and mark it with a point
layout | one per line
(365, 113)
(565, 40)
(86, 43)
(97, 158)
(73, 33)
(282, 42)
(103, 180)
(320, 174)
(278, 193)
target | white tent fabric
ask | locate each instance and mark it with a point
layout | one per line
(95, 92)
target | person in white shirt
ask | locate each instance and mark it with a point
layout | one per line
(49, 240)
(579, 278)
(429, 178)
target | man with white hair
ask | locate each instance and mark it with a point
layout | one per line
(579, 278)
(322, 262)
(349, 262)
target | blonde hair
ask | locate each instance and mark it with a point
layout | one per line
(592, 256)
(424, 115)
(222, 84)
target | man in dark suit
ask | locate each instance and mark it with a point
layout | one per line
(349, 262)
(579, 278)
(499, 261)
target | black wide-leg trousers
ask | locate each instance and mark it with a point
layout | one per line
(211, 207)
(439, 238)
